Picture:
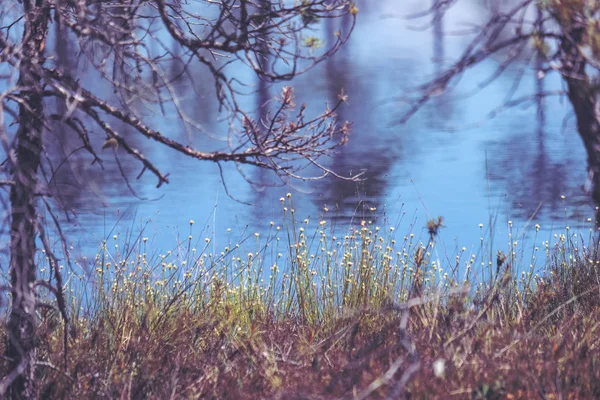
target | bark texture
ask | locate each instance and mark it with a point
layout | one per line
(23, 232)
(583, 97)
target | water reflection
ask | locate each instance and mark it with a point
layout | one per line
(540, 164)
(80, 185)
(522, 159)
(437, 22)
(535, 173)
(349, 199)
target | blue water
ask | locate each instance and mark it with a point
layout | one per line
(449, 159)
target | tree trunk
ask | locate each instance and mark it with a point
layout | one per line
(583, 97)
(21, 322)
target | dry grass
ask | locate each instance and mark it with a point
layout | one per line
(314, 316)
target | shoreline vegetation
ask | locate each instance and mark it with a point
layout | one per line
(305, 313)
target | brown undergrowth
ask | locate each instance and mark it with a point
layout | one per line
(478, 355)
(349, 318)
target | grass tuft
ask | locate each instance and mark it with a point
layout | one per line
(304, 312)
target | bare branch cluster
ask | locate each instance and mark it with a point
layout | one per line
(132, 44)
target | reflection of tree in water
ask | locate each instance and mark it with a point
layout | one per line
(438, 36)
(533, 179)
(368, 148)
(523, 167)
(262, 180)
(531, 166)
(441, 109)
(77, 185)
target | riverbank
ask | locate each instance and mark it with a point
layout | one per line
(305, 313)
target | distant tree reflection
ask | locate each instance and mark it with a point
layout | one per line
(531, 168)
(534, 180)
(369, 149)
(77, 187)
